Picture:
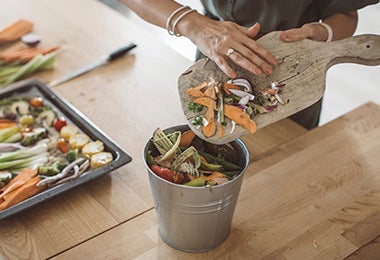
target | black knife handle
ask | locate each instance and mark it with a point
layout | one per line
(121, 51)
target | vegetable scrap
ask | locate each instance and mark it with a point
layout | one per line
(237, 99)
(39, 149)
(183, 158)
(15, 30)
(18, 62)
(11, 72)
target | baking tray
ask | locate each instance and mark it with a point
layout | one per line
(35, 87)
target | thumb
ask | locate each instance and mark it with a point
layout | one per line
(253, 30)
(293, 35)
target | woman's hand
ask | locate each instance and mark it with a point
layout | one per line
(343, 25)
(223, 41)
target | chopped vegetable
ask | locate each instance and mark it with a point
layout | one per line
(24, 157)
(72, 155)
(53, 169)
(62, 145)
(188, 167)
(239, 98)
(15, 30)
(34, 136)
(20, 107)
(31, 39)
(36, 102)
(68, 130)
(77, 141)
(92, 148)
(167, 174)
(8, 132)
(27, 120)
(38, 63)
(26, 54)
(59, 122)
(47, 116)
(101, 159)
(186, 138)
(5, 177)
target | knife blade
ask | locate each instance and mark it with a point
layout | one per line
(102, 61)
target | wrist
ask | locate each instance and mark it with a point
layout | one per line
(322, 32)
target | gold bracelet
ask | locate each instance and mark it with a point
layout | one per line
(168, 21)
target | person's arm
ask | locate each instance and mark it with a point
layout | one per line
(342, 25)
(213, 38)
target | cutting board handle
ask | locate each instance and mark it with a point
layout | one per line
(362, 49)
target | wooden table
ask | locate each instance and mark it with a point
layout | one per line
(306, 195)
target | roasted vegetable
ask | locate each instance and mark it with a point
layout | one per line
(72, 155)
(34, 136)
(92, 148)
(167, 174)
(77, 141)
(68, 130)
(15, 30)
(100, 159)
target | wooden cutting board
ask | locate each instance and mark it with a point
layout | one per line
(302, 67)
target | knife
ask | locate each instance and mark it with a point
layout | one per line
(104, 60)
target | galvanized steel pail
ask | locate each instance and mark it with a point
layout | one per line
(195, 219)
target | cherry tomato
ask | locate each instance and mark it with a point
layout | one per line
(36, 102)
(167, 174)
(62, 145)
(59, 122)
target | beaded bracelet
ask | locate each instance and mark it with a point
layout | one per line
(171, 32)
(329, 30)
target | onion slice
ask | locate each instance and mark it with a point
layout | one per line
(242, 82)
(241, 94)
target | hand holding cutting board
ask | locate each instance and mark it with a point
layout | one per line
(302, 67)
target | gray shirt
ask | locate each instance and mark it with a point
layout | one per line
(279, 14)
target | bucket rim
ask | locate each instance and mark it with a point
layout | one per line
(182, 127)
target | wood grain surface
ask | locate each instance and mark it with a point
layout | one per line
(316, 196)
(305, 194)
(302, 67)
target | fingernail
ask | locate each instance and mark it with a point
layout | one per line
(257, 72)
(268, 70)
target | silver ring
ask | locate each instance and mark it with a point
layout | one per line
(230, 51)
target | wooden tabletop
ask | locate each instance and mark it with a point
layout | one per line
(305, 195)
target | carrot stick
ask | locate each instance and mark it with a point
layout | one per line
(15, 30)
(18, 181)
(6, 125)
(27, 190)
(25, 54)
(3, 120)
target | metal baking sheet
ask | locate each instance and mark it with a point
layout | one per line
(35, 87)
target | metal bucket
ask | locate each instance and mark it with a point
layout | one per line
(195, 219)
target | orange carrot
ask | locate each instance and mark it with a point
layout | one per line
(203, 90)
(3, 120)
(6, 125)
(27, 190)
(209, 129)
(25, 54)
(228, 86)
(214, 175)
(15, 30)
(186, 138)
(18, 181)
(240, 117)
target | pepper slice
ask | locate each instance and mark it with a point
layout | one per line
(167, 174)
